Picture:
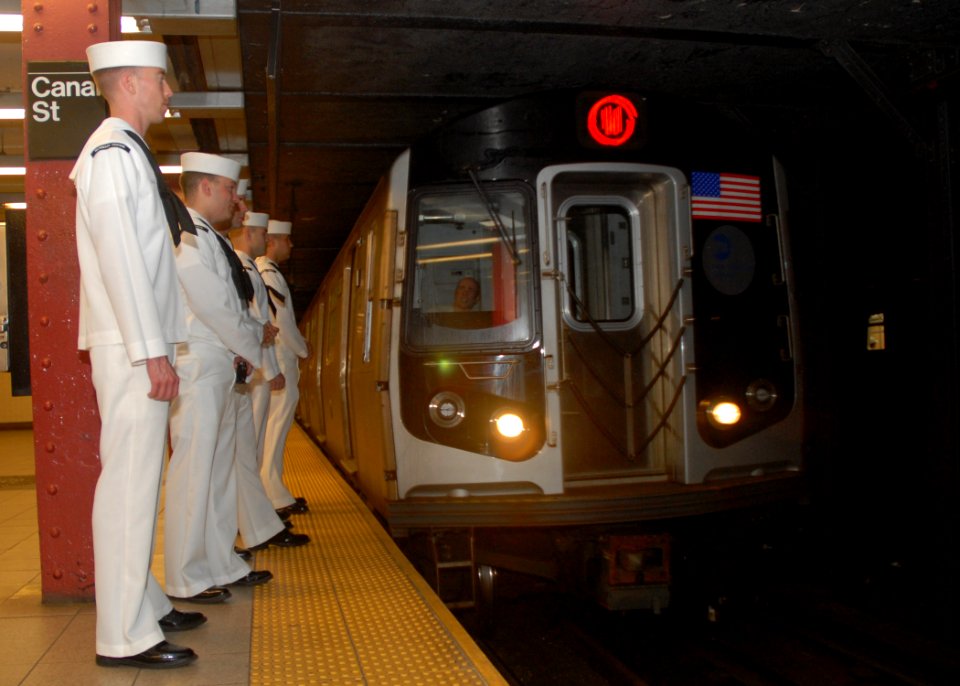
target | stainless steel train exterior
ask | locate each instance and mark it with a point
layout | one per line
(625, 351)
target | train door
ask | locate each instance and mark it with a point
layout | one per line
(347, 460)
(368, 357)
(614, 238)
(333, 372)
(4, 318)
(311, 390)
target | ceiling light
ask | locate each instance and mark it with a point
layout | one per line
(11, 23)
(129, 25)
(13, 171)
(11, 113)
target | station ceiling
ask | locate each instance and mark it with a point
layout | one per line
(318, 98)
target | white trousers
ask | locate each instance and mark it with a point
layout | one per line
(257, 519)
(283, 405)
(133, 446)
(259, 391)
(200, 524)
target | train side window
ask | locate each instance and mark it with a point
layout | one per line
(466, 289)
(600, 259)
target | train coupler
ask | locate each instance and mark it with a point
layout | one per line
(635, 572)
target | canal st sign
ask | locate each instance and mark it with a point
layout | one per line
(64, 109)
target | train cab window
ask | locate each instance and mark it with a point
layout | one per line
(472, 279)
(599, 265)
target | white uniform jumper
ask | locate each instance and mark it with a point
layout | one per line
(201, 490)
(258, 520)
(291, 346)
(130, 311)
(259, 388)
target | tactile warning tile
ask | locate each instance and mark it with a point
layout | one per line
(348, 608)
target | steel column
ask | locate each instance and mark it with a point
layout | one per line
(66, 425)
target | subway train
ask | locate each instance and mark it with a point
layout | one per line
(560, 324)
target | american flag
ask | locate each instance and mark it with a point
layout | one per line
(725, 196)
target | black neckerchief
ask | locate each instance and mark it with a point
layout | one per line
(178, 218)
(274, 296)
(240, 277)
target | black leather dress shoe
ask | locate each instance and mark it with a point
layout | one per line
(161, 656)
(284, 539)
(296, 508)
(214, 594)
(254, 578)
(181, 621)
(243, 553)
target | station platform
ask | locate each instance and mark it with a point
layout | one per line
(348, 608)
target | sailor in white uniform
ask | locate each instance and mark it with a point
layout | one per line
(131, 317)
(201, 489)
(249, 248)
(260, 525)
(291, 348)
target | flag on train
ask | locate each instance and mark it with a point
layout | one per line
(722, 195)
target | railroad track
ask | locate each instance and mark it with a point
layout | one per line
(548, 639)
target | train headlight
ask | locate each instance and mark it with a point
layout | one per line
(508, 425)
(514, 433)
(723, 414)
(446, 409)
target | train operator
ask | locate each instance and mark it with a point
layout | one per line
(130, 319)
(467, 294)
(291, 348)
(201, 489)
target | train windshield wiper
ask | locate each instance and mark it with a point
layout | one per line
(508, 242)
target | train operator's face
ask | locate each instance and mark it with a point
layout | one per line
(467, 295)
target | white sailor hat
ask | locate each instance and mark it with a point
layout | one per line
(127, 53)
(205, 163)
(277, 227)
(256, 219)
(242, 186)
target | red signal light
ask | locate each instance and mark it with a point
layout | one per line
(612, 120)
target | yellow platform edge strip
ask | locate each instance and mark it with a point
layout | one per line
(349, 607)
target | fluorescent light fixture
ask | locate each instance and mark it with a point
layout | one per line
(134, 25)
(15, 205)
(11, 113)
(456, 258)
(454, 244)
(11, 23)
(170, 169)
(13, 171)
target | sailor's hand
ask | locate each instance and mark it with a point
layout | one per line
(164, 382)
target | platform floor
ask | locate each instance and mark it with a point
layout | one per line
(346, 609)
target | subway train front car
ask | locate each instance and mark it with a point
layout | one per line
(561, 324)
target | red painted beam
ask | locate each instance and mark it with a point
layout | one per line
(66, 425)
